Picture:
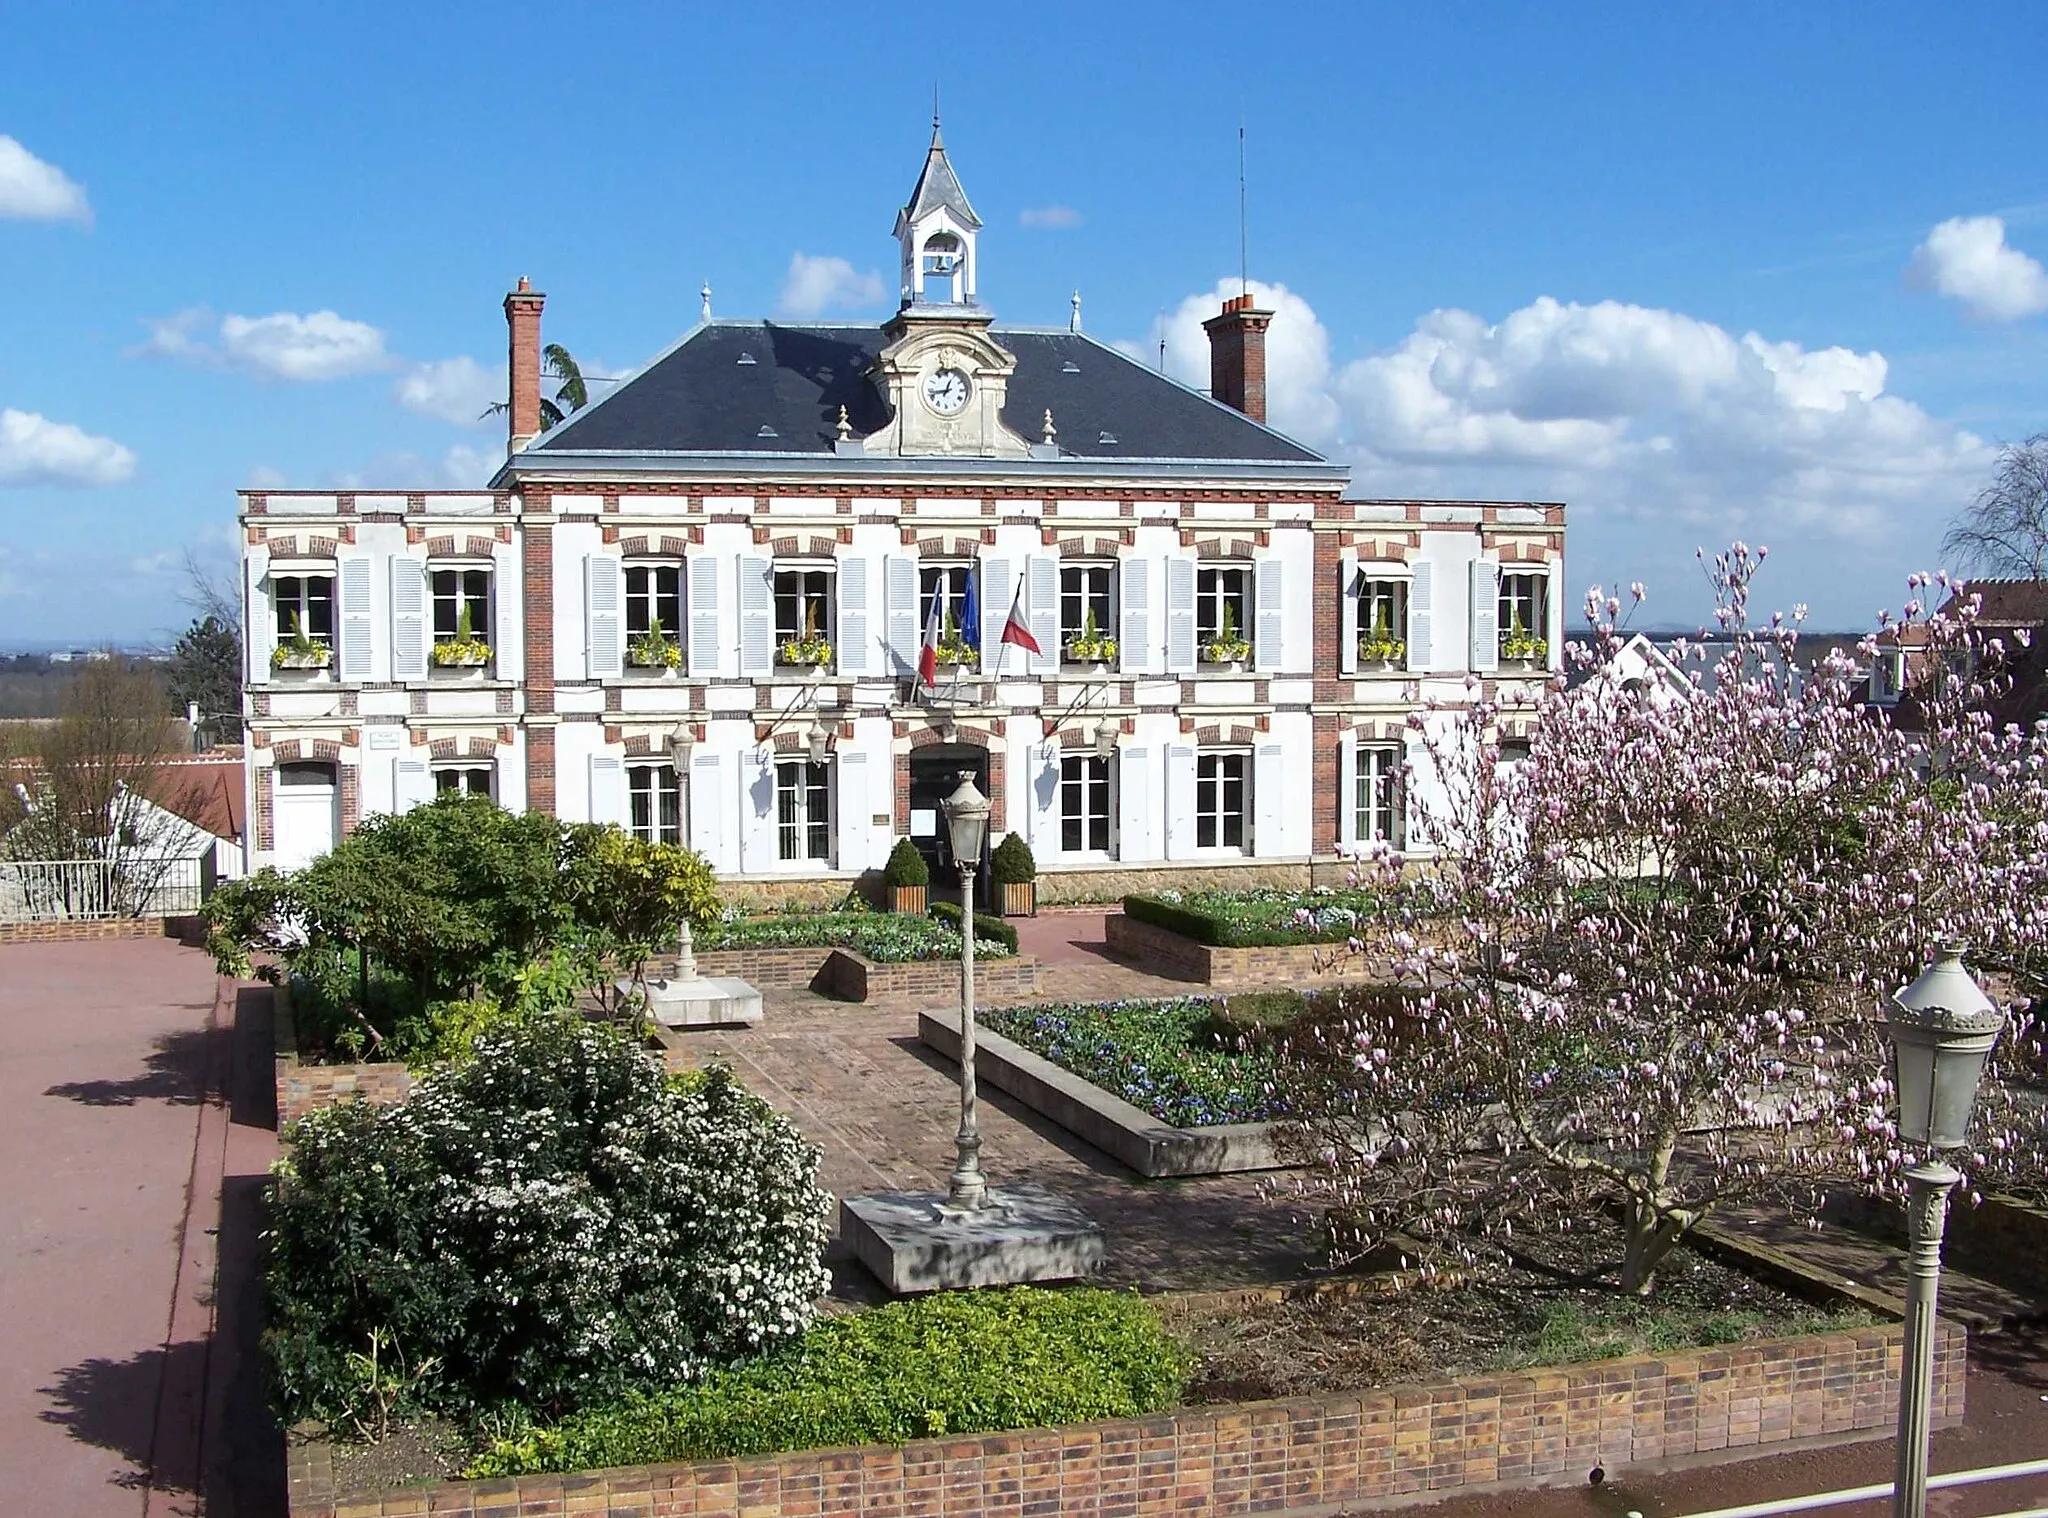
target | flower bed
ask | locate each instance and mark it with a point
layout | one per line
(1159, 1056)
(884, 937)
(1259, 919)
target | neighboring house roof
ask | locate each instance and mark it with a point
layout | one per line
(207, 792)
(753, 387)
(2010, 603)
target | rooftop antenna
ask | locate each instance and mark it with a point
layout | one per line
(1244, 279)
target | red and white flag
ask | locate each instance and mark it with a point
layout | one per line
(928, 646)
(1014, 630)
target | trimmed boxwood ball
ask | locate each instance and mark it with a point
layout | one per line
(906, 866)
(556, 1222)
(1012, 862)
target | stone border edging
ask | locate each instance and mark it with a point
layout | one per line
(1111, 1124)
(1342, 1448)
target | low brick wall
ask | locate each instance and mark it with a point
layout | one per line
(303, 1088)
(1263, 1456)
(1155, 948)
(89, 930)
(766, 969)
(854, 977)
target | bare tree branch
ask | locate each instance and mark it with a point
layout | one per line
(2004, 532)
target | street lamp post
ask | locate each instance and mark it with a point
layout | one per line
(967, 812)
(1942, 1030)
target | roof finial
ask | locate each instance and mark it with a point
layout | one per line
(706, 293)
(937, 142)
(845, 427)
(1074, 321)
(1051, 431)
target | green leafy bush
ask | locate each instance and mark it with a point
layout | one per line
(1012, 863)
(885, 937)
(554, 1223)
(955, 1363)
(1259, 919)
(906, 866)
(988, 928)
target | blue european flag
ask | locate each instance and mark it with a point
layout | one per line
(970, 612)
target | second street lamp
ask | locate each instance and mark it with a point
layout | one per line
(967, 812)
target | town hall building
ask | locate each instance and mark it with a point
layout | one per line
(695, 607)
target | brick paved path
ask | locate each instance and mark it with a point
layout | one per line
(883, 1108)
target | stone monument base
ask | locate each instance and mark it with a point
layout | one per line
(913, 1241)
(703, 1001)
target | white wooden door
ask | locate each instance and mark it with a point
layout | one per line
(305, 813)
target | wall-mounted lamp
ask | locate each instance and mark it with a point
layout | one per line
(819, 742)
(1105, 738)
(680, 741)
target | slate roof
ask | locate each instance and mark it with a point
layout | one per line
(704, 396)
(937, 186)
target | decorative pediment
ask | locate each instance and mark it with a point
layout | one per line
(946, 381)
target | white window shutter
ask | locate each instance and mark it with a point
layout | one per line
(1347, 790)
(707, 808)
(412, 784)
(1347, 613)
(1269, 651)
(854, 647)
(603, 619)
(352, 661)
(1269, 832)
(1045, 613)
(1133, 806)
(1485, 614)
(899, 613)
(1180, 801)
(259, 617)
(1421, 614)
(757, 810)
(1180, 615)
(757, 616)
(998, 584)
(508, 603)
(1134, 630)
(851, 811)
(607, 790)
(1043, 783)
(702, 613)
(408, 618)
(1553, 606)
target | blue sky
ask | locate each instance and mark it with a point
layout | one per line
(1768, 272)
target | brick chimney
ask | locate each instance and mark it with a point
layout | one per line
(522, 317)
(1237, 355)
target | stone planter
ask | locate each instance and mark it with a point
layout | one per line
(303, 1088)
(310, 663)
(1224, 666)
(1020, 898)
(908, 900)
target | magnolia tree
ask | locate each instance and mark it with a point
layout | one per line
(1641, 971)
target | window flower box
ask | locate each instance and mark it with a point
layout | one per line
(654, 649)
(1091, 646)
(1522, 650)
(314, 656)
(459, 654)
(814, 651)
(1229, 649)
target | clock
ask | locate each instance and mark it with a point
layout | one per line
(945, 391)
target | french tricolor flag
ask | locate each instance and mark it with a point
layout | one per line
(1014, 630)
(928, 646)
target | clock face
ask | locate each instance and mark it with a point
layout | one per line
(945, 391)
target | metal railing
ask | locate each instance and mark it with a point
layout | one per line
(73, 890)
(1883, 1490)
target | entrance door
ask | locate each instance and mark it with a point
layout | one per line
(305, 816)
(935, 775)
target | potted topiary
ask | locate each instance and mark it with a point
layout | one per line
(301, 650)
(1229, 649)
(654, 649)
(463, 651)
(1522, 649)
(906, 875)
(1013, 868)
(1091, 646)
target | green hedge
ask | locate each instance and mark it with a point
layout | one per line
(1199, 926)
(954, 1363)
(1258, 919)
(986, 925)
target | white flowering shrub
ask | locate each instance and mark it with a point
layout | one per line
(556, 1222)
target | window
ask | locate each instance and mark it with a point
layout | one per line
(1084, 804)
(654, 796)
(1086, 591)
(654, 593)
(1524, 615)
(1223, 605)
(463, 780)
(803, 811)
(1887, 676)
(462, 605)
(1378, 797)
(1221, 781)
(950, 582)
(305, 607)
(1382, 621)
(803, 610)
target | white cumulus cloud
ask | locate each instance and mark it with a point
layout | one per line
(460, 468)
(1298, 397)
(458, 390)
(1050, 218)
(1967, 259)
(814, 286)
(32, 190)
(320, 345)
(37, 451)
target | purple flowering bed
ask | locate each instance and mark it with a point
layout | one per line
(1161, 1056)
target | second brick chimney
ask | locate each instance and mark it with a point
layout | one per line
(522, 318)
(1237, 355)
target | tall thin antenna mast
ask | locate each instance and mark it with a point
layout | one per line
(1244, 263)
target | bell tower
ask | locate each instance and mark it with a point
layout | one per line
(936, 232)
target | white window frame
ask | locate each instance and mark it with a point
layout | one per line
(1105, 602)
(953, 575)
(800, 784)
(648, 601)
(464, 772)
(1378, 797)
(1210, 597)
(1516, 585)
(828, 604)
(281, 612)
(481, 626)
(1215, 816)
(655, 782)
(1373, 583)
(1085, 788)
